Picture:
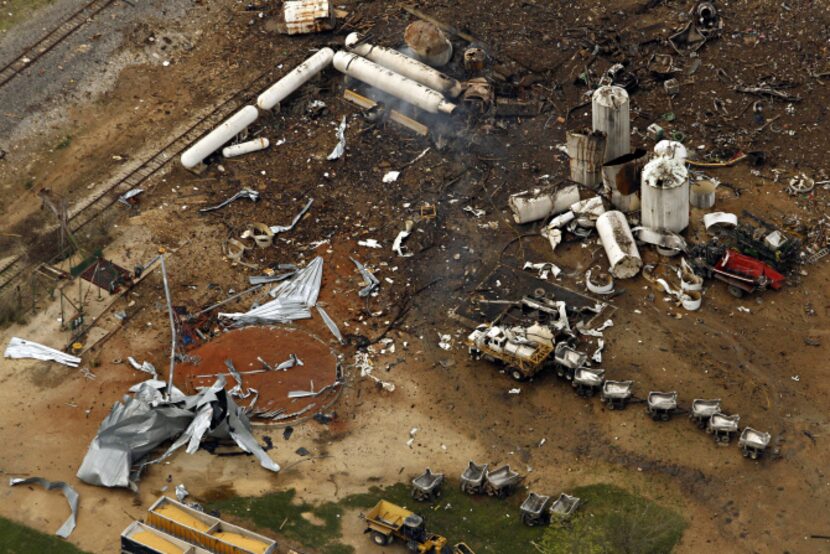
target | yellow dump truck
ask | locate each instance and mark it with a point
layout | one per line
(387, 522)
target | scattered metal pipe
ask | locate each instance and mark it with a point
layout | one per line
(174, 338)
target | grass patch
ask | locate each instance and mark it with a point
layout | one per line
(282, 514)
(19, 539)
(486, 524)
(19, 10)
(64, 142)
(615, 521)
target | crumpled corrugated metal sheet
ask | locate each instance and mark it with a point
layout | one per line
(138, 425)
(21, 348)
(292, 299)
(70, 494)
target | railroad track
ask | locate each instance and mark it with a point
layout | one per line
(132, 177)
(51, 39)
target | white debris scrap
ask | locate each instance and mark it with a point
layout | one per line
(364, 364)
(146, 367)
(391, 176)
(340, 148)
(545, 269)
(23, 349)
(445, 341)
(369, 243)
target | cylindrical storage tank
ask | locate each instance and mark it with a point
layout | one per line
(610, 115)
(429, 43)
(586, 151)
(615, 234)
(214, 140)
(392, 83)
(294, 79)
(245, 147)
(527, 207)
(622, 177)
(702, 194)
(671, 149)
(406, 66)
(665, 195)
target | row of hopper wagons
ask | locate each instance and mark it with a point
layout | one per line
(500, 483)
(569, 365)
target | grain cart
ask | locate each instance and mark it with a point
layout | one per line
(616, 394)
(722, 427)
(661, 405)
(427, 486)
(387, 522)
(502, 482)
(524, 351)
(534, 510)
(472, 480)
(588, 381)
(753, 443)
(564, 507)
(702, 410)
(568, 360)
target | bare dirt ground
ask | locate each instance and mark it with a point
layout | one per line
(756, 361)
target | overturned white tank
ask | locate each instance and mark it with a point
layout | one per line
(245, 147)
(392, 83)
(665, 194)
(618, 242)
(403, 64)
(294, 79)
(529, 206)
(214, 140)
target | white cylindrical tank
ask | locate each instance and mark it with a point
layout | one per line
(619, 245)
(392, 83)
(214, 140)
(245, 147)
(665, 195)
(610, 115)
(671, 149)
(586, 151)
(406, 66)
(528, 207)
(295, 78)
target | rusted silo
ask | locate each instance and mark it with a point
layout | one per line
(586, 150)
(622, 176)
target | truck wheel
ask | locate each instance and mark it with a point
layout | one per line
(380, 539)
(517, 375)
(735, 291)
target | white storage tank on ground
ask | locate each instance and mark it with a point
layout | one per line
(294, 79)
(214, 140)
(618, 241)
(665, 195)
(610, 108)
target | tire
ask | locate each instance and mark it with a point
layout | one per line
(517, 375)
(380, 539)
(735, 291)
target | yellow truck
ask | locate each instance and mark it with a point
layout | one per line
(387, 522)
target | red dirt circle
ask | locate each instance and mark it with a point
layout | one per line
(274, 346)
